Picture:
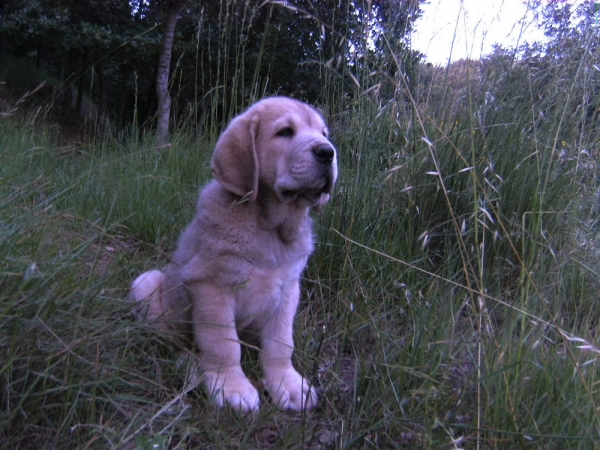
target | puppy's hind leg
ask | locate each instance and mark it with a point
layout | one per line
(147, 292)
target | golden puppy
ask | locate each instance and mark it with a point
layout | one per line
(238, 264)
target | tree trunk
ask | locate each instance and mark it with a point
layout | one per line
(102, 115)
(122, 107)
(82, 62)
(67, 94)
(164, 65)
(2, 45)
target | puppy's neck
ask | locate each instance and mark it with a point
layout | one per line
(289, 220)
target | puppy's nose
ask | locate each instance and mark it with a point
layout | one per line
(324, 153)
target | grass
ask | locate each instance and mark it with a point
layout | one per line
(451, 303)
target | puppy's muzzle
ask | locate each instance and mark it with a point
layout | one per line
(325, 154)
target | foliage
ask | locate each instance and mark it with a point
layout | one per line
(288, 48)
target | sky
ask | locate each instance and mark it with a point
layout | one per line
(468, 28)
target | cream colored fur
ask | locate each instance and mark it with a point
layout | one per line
(237, 266)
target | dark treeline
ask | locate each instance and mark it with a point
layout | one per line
(224, 53)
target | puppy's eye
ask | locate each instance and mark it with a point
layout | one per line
(286, 132)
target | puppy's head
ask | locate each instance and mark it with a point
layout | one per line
(278, 144)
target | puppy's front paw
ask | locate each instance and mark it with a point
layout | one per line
(289, 390)
(233, 389)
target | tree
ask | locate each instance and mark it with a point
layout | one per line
(566, 68)
(164, 67)
(222, 56)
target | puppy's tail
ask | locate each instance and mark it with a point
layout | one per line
(146, 291)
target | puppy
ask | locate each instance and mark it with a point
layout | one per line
(237, 266)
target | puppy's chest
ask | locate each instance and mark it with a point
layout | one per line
(266, 291)
(273, 269)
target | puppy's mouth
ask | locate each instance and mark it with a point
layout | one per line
(324, 186)
(329, 181)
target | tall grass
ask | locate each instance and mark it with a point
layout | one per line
(451, 303)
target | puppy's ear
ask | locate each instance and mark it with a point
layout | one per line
(234, 162)
(319, 206)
